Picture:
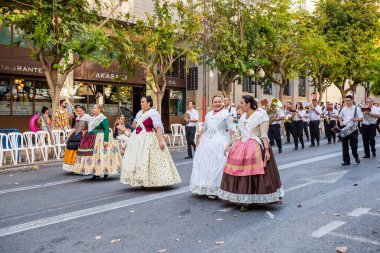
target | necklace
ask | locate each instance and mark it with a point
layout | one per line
(248, 116)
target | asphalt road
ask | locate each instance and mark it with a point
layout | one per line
(326, 206)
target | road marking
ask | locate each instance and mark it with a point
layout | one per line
(359, 211)
(327, 229)
(226, 209)
(90, 211)
(356, 238)
(39, 186)
(184, 163)
(298, 186)
(374, 214)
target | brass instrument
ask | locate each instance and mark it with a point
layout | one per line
(272, 111)
(289, 117)
(185, 119)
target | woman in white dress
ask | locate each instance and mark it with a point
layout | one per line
(209, 159)
(147, 161)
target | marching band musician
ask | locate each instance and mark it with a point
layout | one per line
(314, 117)
(230, 109)
(297, 125)
(371, 115)
(274, 133)
(288, 125)
(330, 114)
(350, 113)
(306, 125)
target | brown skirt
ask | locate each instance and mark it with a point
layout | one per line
(255, 189)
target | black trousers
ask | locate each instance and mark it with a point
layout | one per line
(350, 140)
(378, 125)
(306, 129)
(368, 134)
(297, 127)
(190, 137)
(288, 130)
(314, 131)
(330, 134)
(274, 134)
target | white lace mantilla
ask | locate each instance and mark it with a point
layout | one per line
(252, 198)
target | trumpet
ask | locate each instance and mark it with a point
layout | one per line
(272, 111)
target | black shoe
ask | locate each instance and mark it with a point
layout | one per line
(105, 176)
(296, 148)
(366, 156)
(357, 160)
(334, 140)
(188, 157)
(312, 145)
(329, 142)
(318, 144)
(280, 150)
(345, 164)
(303, 146)
(373, 154)
(95, 178)
(287, 142)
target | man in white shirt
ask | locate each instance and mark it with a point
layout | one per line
(330, 116)
(369, 128)
(274, 133)
(347, 115)
(228, 107)
(191, 128)
(288, 125)
(315, 118)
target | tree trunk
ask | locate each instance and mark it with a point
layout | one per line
(159, 97)
(281, 92)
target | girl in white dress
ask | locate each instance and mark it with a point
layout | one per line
(209, 158)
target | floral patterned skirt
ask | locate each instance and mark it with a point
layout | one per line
(146, 164)
(103, 161)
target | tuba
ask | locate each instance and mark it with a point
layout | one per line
(272, 111)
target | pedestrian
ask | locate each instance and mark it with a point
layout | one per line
(209, 160)
(274, 133)
(147, 161)
(61, 120)
(287, 123)
(349, 116)
(297, 125)
(251, 175)
(229, 108)
(370, 116)
(44, 120)
(306, 125)
(122, 132)
(73, 116)
(315, 119)
(330, 116)
(74, 138)
(191, 128)
(98, 153)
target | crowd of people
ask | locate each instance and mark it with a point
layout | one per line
(233, 157)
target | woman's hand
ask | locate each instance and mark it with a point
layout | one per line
(267, 155)
(105, 144)
(162, 144)
(127, 132)
(227, 149)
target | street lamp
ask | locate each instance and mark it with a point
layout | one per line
(253, 81)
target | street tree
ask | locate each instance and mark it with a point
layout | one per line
(61, 34)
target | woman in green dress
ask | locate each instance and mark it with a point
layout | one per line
(98, 153)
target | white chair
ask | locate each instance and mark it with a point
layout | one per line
(4, 148)
(30, 141)
(163, 135)
(44, 141)
(59, 141)
(16, 144)
(177, 133)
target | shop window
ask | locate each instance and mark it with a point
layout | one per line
(246, 84)
(302, 87)
(5, 35)
(42, 96)
(268, 89)
(104, 95)
(5, 97)
(22, 92)
(176, 103)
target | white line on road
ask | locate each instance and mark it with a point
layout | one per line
(298, 186)
(327, 229)
(374, 214)
(226, 209)
(39, 186)
(359, 211)
(356, 238)
(86, 212)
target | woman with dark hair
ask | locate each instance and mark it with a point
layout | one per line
(44, 120)
(98, 153)
(251, 175)
(73, 116)
(297, 125)
(74, 138)
(147, 161)
(209, 159)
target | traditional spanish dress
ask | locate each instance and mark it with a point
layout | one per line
(92, 157)
(73, 141)
(209, 160)
(144, 162)
(247, 179)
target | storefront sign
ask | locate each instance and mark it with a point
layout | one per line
(108, 76)
(192, 79)
(20, 69)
